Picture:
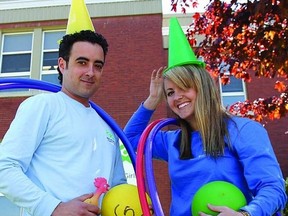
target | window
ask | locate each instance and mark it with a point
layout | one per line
(233, 92)
(16, 55)
(50, 56)
(29, 55)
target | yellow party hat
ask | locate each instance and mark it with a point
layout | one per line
(180, 51)
(79, 18)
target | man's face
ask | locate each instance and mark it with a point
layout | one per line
(82, 73)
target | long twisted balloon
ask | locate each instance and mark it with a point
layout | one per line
(20, 83)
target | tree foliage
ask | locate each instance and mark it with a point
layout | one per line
(251, 38)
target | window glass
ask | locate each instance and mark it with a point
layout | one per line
(52, 78)
(16, 54)
(227, 101)
(50, 61)
(236, 85)
(16, 63)
(17, 42)
(51, 39)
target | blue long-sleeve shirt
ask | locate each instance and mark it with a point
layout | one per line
(251, 165)
(52, 152)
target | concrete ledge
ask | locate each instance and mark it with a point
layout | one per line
(59, 12)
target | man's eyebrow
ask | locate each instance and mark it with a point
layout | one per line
(99, 61)
(82, 58)
(86, 59)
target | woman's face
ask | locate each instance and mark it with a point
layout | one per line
(181, 102)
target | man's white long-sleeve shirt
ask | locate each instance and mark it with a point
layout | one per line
(52, 152)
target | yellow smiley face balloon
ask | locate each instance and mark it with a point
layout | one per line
(122, 200)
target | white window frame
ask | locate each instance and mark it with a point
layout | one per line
(16, 74)
(232, 93)
(43, 50)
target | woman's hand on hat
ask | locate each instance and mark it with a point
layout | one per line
(156, 89)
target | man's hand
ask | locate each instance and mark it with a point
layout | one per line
(77, 207)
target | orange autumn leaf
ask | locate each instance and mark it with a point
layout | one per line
(280, 86)
(259, 118)
(225, 80)
(196, 16)
(276, 114)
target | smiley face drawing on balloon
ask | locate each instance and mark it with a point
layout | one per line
(123, 200)
(128, 211)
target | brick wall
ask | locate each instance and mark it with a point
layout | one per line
(8, 107)
(277, 129)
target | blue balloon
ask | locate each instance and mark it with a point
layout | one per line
(20, 83)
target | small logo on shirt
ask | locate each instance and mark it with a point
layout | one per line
(110, 137)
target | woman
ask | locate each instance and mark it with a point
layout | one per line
(211, 145)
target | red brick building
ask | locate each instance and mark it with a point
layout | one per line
(134, 30)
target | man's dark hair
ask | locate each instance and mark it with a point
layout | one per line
(84, 35)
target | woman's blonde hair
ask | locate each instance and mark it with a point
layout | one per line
(210, 116)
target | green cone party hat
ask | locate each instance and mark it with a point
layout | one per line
(180, 51)
(79, 18)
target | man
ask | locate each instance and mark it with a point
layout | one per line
(48, 168)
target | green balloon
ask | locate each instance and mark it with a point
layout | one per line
(219, 193)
